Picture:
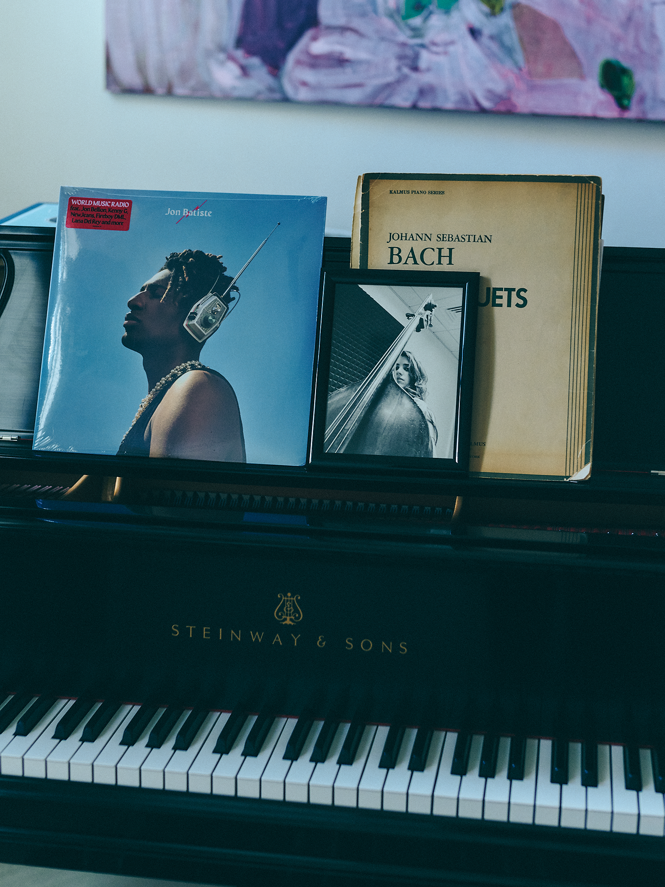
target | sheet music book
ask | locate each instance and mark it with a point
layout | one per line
(182, 325)
(536, 242)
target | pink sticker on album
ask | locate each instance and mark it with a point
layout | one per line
(105, 215)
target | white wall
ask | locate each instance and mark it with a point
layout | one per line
(58, 125)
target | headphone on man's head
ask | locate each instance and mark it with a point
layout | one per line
(208, 313)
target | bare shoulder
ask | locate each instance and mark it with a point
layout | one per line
(199, 418)
(200, 385)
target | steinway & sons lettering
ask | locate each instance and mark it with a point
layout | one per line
(286, 639)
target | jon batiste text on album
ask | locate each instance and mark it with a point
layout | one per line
(122, 329)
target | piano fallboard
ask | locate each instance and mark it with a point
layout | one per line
(431, 628)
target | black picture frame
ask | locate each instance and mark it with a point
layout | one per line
(26, 257)
(370, 414)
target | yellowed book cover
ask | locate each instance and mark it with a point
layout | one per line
(536, 242)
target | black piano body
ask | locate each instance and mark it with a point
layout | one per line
(395, 615)
(494, 631)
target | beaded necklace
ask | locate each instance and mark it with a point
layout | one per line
(175, 373)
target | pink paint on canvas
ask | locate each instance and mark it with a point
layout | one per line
(566, 57)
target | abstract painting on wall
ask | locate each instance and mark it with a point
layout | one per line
(588, 58)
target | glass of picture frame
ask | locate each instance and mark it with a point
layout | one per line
(395, 371)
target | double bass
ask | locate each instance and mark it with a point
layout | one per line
(377, 416)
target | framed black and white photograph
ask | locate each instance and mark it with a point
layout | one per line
(395, 372)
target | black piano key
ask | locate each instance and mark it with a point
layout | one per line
(461, 754)
(30, 718)
(632, 772)
(12, 709)
(658, 766)
(517, 757)
(257, 735)
(324, 740)
(230, 732)
(351, 742)
(421, 746)
(559, 765)
(72, 718)
(163, 727)
(189, 730)
(298, 738)
(488, 756)
(391, 747)
(99, 720)
(590, 764)
(137, 725)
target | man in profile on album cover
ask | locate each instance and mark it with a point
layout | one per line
(191, 411)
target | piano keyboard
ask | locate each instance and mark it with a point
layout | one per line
(410, 770)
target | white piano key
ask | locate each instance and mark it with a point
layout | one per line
(325, 773)
(225, 773)
(599, 798)
(497, 789)
(345, 789)
(175, 772)
(652, 807)
(154, 766)
(396, 786)
(273, 777)
(57, 761)
(472, 786)
(248, 781)
(11, 759)
(523, 791)
(199, 776)
(548, 794)
(371, 782)
(625, 810)
(34, 760)
(103, 767)
(128, 769)
(296, 785)
(81, 764)
(573, 794)
(7, 734)
(444, 801)
(421, 787)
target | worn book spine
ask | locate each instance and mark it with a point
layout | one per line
(536, 242)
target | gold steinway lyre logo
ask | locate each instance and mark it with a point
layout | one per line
(288, 611)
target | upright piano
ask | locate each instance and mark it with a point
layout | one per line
(334, 680)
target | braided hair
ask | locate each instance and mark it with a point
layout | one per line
(195, 274)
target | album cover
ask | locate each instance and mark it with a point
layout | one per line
(181, 325)
(39, 215)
